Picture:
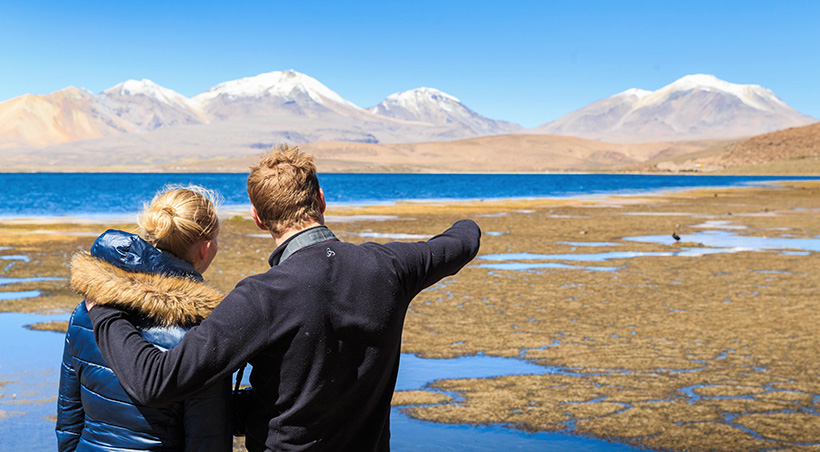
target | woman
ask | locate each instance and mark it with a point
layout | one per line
(178, 241)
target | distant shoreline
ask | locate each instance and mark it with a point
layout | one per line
(792, 151)
(796, 167)
(340, 210)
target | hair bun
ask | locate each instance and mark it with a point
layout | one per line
(179, 216)
(158, 222)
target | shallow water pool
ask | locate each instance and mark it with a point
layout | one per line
(31, 362)
(709, 242)
(731, 242)
(30, 365)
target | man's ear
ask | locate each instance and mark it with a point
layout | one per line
(256, 219)
(322, 203)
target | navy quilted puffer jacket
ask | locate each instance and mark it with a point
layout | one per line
(94, 411)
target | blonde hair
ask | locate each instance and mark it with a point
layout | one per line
(178, 217)
(284, 189)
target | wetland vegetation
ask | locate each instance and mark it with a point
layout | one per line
(709, 343)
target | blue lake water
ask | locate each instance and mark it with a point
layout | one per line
(57, 194)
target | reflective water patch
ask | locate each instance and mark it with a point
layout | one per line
(521, 266)
(16, 258)
(589, 243)
(5, 296)
(408, 434)
(709, 242)
(30, 370)
(6, 281)
(730, 242)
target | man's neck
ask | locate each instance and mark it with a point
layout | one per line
(279, 239)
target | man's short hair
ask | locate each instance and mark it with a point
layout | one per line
(284, 189)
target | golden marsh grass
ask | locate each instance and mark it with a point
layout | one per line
(709, 352)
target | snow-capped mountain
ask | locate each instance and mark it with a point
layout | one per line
(692, 108)
(242, 116)
(432, 106)
(271, 94)
(149, 106)
(245, 114)
(151, 90)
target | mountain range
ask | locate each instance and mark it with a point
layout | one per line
(141, 123)
(284, 106)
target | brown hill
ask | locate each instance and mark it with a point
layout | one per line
(500, 153)
(67, 115)
(791, 151)
(790, 144)
(794, 151)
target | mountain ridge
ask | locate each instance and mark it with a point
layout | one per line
(436, 107)
(280, 105)
(697, 106)
(141, 119)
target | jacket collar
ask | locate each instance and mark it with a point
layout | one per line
(131, 253)
(187, 270)
(158, 298)
(303, 239)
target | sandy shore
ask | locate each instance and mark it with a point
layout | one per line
(706, 344)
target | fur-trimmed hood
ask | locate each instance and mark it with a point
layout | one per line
(164, 300)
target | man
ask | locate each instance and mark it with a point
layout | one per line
(321, 328)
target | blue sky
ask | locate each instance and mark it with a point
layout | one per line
(523, 61)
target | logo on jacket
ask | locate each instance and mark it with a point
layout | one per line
(330, 253)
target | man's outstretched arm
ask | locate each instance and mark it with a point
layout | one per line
(233, 332)
(422, 264)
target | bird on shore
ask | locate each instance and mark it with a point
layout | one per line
(676, 237)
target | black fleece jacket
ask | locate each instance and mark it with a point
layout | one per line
(322, 330)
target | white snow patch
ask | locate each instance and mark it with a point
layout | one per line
(637, 92)
(421, 102)
(754, 96)
(278, 84)
(150, 89)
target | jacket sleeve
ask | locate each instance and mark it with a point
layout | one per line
(70, 414)
(207, 419)
(423, 264)
(237, 329)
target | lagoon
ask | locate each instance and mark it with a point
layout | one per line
(106, 195)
